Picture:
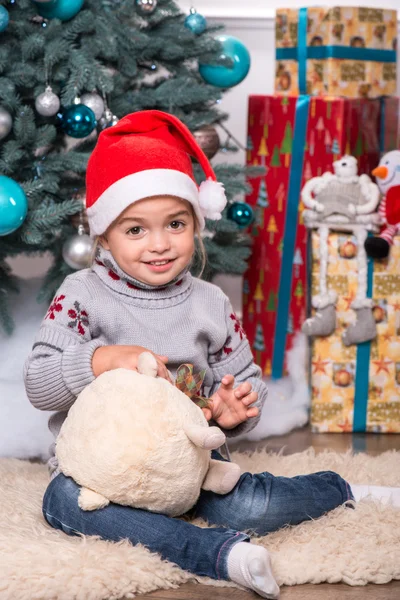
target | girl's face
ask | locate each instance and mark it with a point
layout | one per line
(153, 239)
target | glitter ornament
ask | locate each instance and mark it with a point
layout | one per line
(95, 102)
(48, 103)
(195, 22)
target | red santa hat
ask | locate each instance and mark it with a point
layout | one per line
(147, 154)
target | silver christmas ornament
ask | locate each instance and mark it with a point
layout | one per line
(5, 123)
(48, 103)
(78, 250)
(95, 102)
(145, 7)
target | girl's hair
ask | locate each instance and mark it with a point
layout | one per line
(200, 249)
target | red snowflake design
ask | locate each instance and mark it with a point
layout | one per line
(130, 285)
(238, 327)
(55, 307)
(80, 318)
(225, 350)
(113, 275)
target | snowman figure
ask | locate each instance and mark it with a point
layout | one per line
(342, 201)
(388, 178)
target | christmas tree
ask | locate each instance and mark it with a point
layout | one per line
(100, 60)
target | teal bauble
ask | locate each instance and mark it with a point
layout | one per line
(59, 9)
(4, 18)
(13, 205)
(195, 22)
(226, 77)
(78, 121)
(241, 213)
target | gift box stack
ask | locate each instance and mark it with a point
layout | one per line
(297, 137)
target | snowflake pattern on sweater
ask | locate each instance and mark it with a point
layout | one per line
(55, 307)
(80, 318)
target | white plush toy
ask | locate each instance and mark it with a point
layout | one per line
(137, 440)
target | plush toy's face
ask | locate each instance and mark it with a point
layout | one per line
(346, 167)
(388, 172)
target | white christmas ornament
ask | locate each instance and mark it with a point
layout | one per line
(95, 102)
(5, 123)
(48, 103)
(78, 250)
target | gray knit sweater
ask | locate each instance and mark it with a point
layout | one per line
(190, 321)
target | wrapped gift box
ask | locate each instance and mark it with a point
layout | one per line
(296, 139)
(342, 51)
(357, 388)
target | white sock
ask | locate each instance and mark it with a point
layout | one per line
(387, 495)
(250, 566)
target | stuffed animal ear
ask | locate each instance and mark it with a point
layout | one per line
(147, 364)
(187, 382)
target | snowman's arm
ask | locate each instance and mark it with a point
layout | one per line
(312, 185)
(370, 191)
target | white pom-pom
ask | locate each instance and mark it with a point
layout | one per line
(212, 199)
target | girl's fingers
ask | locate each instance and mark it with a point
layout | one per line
(163, 358)
(243, 389)
(250, 399)
(252, 412)
(228, 381)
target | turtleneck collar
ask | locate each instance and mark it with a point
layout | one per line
(106, 267)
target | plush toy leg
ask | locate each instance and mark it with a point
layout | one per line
(324, 321)
(209, 438)
(221, 477)
(364, 329)
(90, 500)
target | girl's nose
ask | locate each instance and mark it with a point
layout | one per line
(159, 242)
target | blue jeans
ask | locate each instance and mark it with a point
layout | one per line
(259, 503)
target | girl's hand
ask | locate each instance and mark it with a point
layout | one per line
(107, 358)
(229, 407)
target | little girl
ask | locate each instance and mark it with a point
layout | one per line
(145, 208)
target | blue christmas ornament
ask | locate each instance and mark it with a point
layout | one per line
(241, 213)
(195, 22)
(226, 77)
(13, 205)
(59, 9)
(78, 121)
(4, 18)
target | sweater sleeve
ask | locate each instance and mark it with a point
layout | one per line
(235, 358)
(59, 366)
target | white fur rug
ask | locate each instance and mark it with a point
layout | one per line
(353, 546)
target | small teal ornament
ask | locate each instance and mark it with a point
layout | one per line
(13, 205)
(4, 18)
(195, 22)
(59, 9)
(226, 77)
(78, 121)
(241, 213)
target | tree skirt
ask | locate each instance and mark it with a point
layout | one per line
(353, 546)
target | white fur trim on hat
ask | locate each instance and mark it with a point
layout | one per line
(212, 199)
(144, 184)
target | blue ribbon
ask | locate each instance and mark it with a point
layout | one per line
(289, 236)
(303, 52)
(362, 370)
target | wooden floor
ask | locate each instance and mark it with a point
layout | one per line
(298, 441)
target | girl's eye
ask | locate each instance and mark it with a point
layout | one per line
(177, 224)
(135, 230)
